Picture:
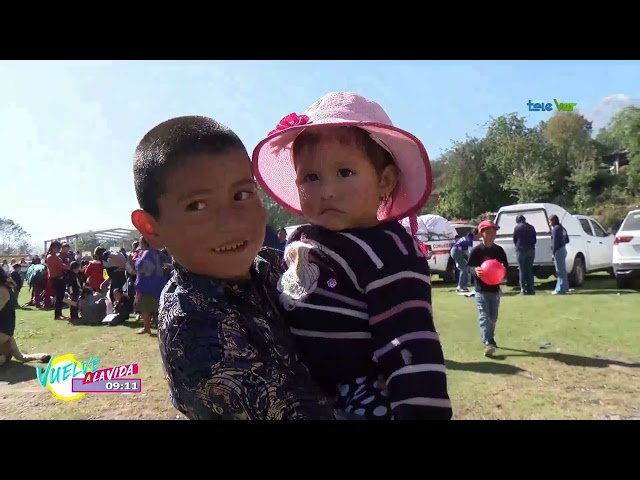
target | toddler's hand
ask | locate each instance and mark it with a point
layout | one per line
(478, 271)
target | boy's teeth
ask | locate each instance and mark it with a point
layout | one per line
(230, 247)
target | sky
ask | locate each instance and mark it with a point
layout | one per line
(78, 122)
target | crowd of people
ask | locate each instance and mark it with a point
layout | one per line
(107, 288)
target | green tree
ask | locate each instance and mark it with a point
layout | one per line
(472, 185)
(522, 157)
(12, 237)
(277, 216)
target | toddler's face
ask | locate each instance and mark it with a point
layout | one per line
(211, 218)
(339, 187)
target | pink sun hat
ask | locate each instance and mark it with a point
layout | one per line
(273, 157)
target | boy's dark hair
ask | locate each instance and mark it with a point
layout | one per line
(74, 265)
(168, 145)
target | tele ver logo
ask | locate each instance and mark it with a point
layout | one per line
(547, 107)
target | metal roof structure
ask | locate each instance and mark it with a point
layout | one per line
(113, 234)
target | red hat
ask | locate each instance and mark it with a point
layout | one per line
(487, 224)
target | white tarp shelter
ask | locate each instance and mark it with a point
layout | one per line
(432, 226)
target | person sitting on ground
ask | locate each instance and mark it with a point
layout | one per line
(8, 346)
(122, 307)
(91, 305)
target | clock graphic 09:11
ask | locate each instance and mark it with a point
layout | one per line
(120, 385)
(129, 385)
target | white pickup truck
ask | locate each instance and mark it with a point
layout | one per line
(590, 247)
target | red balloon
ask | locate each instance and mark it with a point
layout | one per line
(493, 272)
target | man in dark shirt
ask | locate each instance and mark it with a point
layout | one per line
(487, 296)
(524, 239)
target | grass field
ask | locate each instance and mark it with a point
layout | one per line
(561, 357)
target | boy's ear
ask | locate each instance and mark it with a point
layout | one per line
(146, 225)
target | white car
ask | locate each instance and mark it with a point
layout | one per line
(626, 251)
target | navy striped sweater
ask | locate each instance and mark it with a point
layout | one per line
(359, 304)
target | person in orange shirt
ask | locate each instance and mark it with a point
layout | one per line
(57, 270)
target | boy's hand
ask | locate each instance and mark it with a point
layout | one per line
(478, 271)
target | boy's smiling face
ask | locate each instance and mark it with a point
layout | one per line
(211, 218)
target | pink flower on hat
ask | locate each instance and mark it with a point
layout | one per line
(291, 120)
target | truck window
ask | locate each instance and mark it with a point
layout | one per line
(586, 226)
(597, 229)
(536, 218)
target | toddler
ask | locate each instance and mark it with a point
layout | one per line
(357, 289)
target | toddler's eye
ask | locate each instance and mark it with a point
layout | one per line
(196, 206)
(312, 177)
(345, 172)
(238, 197)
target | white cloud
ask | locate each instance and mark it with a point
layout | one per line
(605, 108)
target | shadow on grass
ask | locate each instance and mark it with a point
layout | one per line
(485, 367)
(593, 285)
(131, 323)
(569, 359)
(16, 372)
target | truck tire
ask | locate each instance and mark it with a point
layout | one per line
(449, 276)
(579, 271)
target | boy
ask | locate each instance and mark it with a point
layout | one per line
(226, 352)
(74, 288)
(487, 296)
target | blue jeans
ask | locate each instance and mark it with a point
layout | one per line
(488, 304)
(560, 262)
(461, 264)
(525, 260)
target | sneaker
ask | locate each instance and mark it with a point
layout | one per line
(489, 350)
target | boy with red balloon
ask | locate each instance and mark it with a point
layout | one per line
(490, 262)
